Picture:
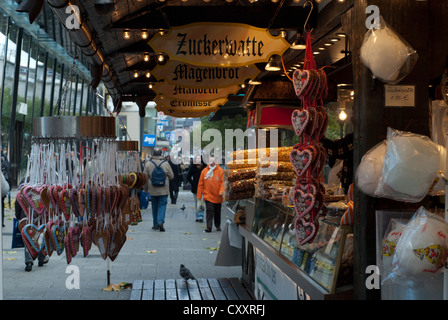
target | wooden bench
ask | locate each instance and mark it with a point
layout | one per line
(199, 289)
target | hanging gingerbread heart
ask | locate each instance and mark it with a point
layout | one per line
(64, 203)
(301, 80)
(58, 235)
(74, 201)
(301, 160)
(86, 239)
(68, 255)
(306, 230)
(47, 238)
(300, 120)
(35, 236)
(303, 202)
(32, 196)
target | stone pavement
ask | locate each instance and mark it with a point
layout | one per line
(147, 255)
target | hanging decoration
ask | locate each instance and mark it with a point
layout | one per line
(80, 188)
(308, 156)
(129, 172)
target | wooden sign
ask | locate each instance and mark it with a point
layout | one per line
(219, 44)
(183, 113)
(185, 107)
(399, 96)
(176, 91)
(189, 75)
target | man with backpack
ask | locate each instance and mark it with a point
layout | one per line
(159, 173)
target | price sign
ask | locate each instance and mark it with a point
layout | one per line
(399, 96)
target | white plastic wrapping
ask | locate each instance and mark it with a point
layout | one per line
(421, 250)
(369, 169)
(410, 166)
(389, 245)
(387, 54)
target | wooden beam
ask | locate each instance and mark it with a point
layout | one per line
(289, 17)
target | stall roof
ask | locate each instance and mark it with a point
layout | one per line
(122, 57)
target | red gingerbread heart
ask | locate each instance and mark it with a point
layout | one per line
(300, 120)
(301, 160)
(301, 80)
(86, 239)
(303, 202)
(306, 230)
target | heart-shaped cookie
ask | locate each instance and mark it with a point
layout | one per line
(101, 240)
(303, 202)
(86, 239)
(32, 196)
(32, 251)
(22, 202)
(300, 120)
(64, 203)
(305, 230)
(68, 255)
(35, 236)
(301, 81)
(301, 160)
(47, 238)
(74, 201)
(58, 235)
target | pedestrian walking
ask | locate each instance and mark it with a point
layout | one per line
(174, 183)
(210, 188)
(193, 176)
(159, 174)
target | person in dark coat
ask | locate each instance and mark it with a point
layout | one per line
(194, 173)
(174, 183)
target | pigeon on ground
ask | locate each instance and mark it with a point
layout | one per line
(185, 273)
(183, 207)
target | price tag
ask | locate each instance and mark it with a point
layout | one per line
(399, 96)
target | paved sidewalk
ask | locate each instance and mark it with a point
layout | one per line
(146, 255)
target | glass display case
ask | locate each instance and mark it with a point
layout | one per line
(328, 260)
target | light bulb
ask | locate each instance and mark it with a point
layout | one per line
(150, 86)
(160, 57)
(126, 35)
(148, 75)
(144, 34)
(146, 57)
(136, 74)
(342, 115)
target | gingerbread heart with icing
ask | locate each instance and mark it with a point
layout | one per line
(301, 81)
(68, 255)
(305, 230)
(58, 235)
(65, 203)
(300, 120)
(47, 238)
(86, 239)
(73, 196)
(35, 236)
(22, 201)
(32, 196)
(303, 202)
(301, 160)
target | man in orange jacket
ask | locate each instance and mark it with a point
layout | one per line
(211, 187)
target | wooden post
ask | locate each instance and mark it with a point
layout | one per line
(410, 19)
